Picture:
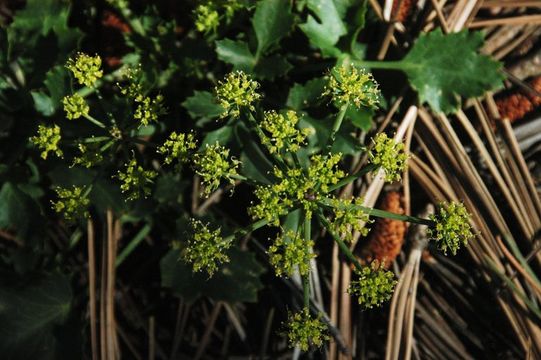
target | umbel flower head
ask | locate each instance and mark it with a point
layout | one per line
(280, 132)
(213, 165)
(296, 185)
(304, 331)
(136, 180)
(452, 229)
(206, 249)
(207, 18)
(178, 147)
(47, 140)
(90, 155)
(85, 68)
(235, 92)
(290, 251)
(388, 155)
(347, 219)
(347, 84)
(75, 106)
(148, 109)
(72, 203)
(375, 285)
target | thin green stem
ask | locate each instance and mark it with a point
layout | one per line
(259, 133)
(341, 244)
(336, 127)
(95, 121)
(94, 139)
(350, 178)
(390, 65)
(381, 213)
(248, 229)
(306, 278)
(244, 178)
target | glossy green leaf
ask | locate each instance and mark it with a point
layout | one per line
(324, 33)
(30, 315)
(18, 212)
(236, 53)
(202, 104)
(442, 67)
(272, 21)
(303, 96)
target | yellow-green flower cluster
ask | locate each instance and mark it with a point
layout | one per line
(178, 147)
(375, 285)
(136, 180)
(452, 229)
(296, 186)
(90, 155)
(47, 140)
(290, 251)
(206, 249)
(75, 106)
(349, 85)
(280, 132)
(207, 18)
(213, 165)
(388, 155)
(86, 69)
(347, 219)
(134, 88)
(304, 331)
(148, 109)
(72, 203)
(235, 92)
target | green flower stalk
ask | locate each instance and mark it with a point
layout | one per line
(235, 92)
(90, 155)
(207, 18)
(375, 285)
(296, 186)
(346, 220)
(135, 180)
(280, 132)
(206, 249)
(388, 155)
(148, 110)
(86, 69)
(72, 203)
(290, 251)
(452, 229)
(349, 85)
(213, 165)
(75, 106)
(178, 147)
(47, 140)
(304, 331)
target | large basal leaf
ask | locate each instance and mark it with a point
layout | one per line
(237, 281)
(30, 315)
(18, 212)
(272, 21)
(236, 53)
(202, 104)
(325, 33)
(441, 67)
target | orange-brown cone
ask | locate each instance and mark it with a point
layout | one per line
(516, 106)
(387, 235)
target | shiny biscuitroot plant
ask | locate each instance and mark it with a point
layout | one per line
(308, 186)
(305, 185)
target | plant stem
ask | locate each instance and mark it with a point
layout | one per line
(306, 278)
(248, 229)
(391, 65)
(353, 177)
(343, 247)
(336, 127)
(382, 213)
(94, 121)
(243, 178)
(259, 133)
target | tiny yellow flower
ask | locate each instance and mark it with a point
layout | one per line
(47, 140)
(148, 109)
(305, 331)
(347, 84)
(290, 251)
(452, 229)
(72, 203)
(374, 286)
(280, 132)
(135, 180)
(178, 147)
(86, 69)
(75, 106)
(213, 165)
(235, 92)
(388, 155)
